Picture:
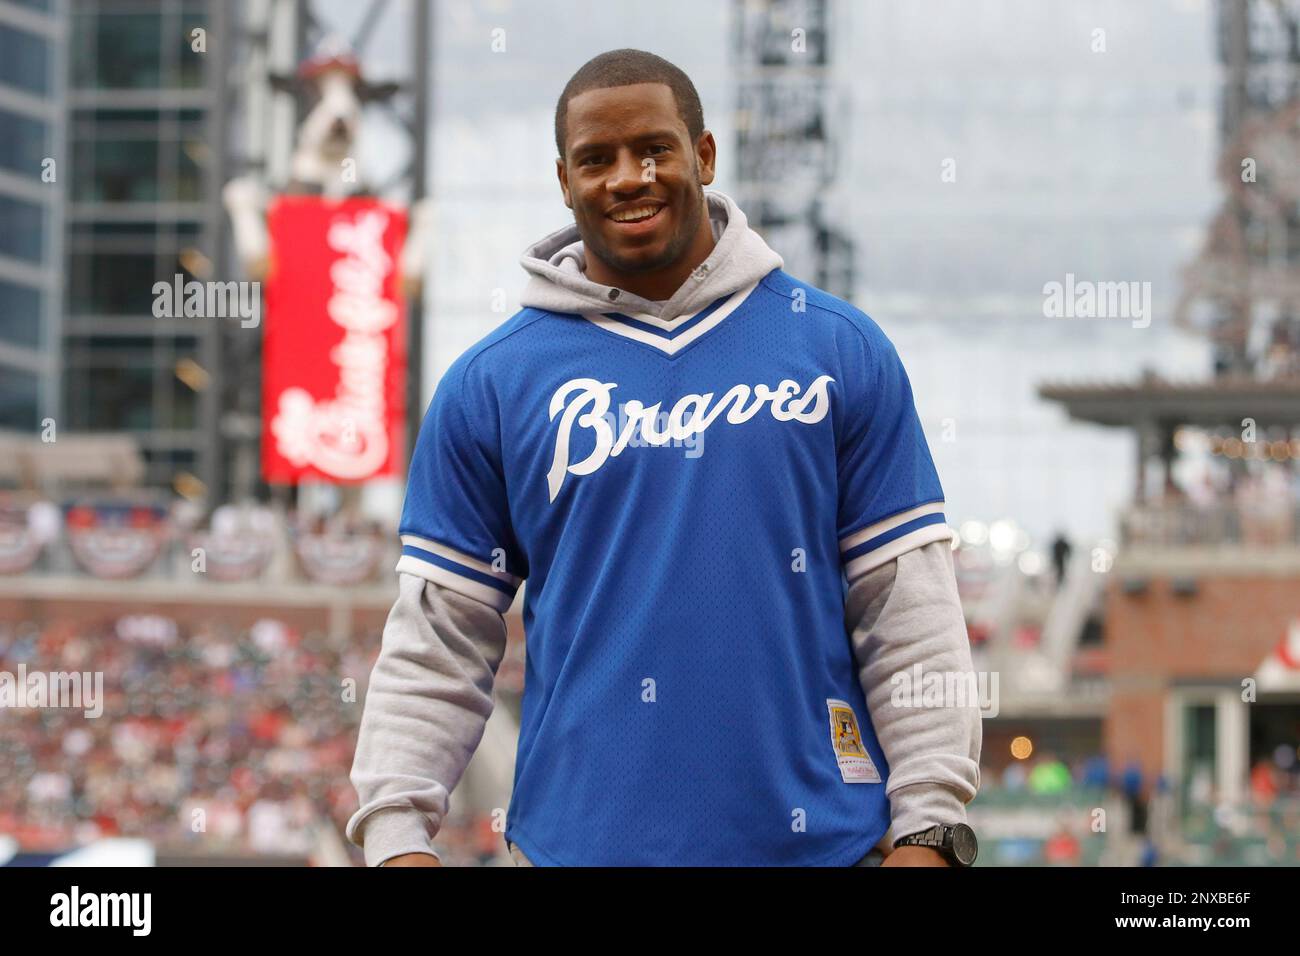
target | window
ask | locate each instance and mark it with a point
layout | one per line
(22, 144)
(189, 63)
(116, 50)
(83, 231)
(121, 170)
(141, 344)
(113, 283)
(189, 174)
(20, 315)
(24, 229)
(180, 404)
(137, 50)
(24, 60)
(137, 156)
(1199, 745)
(130, 382)
(18, 391)
(117, 398)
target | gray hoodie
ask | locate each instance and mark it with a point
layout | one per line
(430, 693)
(558, 263)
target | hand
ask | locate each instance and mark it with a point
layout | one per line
(413, 859)
(915, 856)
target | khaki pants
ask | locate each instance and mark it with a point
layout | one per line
(873, 857)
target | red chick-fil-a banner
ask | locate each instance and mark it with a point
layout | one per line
(334, 342)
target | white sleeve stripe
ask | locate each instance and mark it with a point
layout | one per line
(449, 579)
(880, 527)
(460, 557)
(888, 552)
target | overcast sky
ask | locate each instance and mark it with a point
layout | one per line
(1068, 159)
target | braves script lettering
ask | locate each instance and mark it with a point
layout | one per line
(690, 416)
(346, 437)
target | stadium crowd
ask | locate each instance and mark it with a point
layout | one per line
(239, 741)
(211, 739)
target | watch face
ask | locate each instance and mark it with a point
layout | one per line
(964, 845)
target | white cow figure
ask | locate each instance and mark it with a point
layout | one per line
(333, 94)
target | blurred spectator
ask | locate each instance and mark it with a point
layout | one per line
(1095, 773)
(1281, 360)
(1062, 848)
(1060, 556)
(1263, 782)
(1149, 856)
(1015, 776)
(1264, 506)
(1050, 776)
(1132, 786)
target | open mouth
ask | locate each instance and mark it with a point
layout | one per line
(636, 218)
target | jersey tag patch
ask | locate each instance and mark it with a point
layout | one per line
(855, 763)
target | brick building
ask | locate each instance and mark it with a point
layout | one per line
(1202, 604)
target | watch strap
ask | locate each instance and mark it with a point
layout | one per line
(937, 836)
(942, 837)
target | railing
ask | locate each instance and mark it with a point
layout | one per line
(1264, 525)
(1250, 833)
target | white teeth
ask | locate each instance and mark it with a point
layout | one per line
(633, 214)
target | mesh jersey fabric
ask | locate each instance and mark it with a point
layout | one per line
(687, 501)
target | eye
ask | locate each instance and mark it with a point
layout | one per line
(587, 160)
(660, 146)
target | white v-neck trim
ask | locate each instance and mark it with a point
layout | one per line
(678, 342)
(666, 324)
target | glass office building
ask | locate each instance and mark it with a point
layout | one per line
(30, 199)
(142, 207)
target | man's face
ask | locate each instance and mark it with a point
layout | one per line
(628, 152)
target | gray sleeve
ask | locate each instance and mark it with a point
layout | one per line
(429, 699)
(902, 614)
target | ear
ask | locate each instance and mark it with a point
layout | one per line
(376, 92)
(562, 172)
(706, 152)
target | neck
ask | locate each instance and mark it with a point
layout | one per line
(662, 283)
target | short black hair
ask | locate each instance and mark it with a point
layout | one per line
(623, 68)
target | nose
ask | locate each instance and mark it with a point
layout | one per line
(625, 176)
(339, 127)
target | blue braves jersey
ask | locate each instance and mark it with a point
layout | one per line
(688, 501)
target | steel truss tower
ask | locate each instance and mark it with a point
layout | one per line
(1248, 272)
(788, 139)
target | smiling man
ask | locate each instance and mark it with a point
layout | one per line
(646, 241)
(713, 634)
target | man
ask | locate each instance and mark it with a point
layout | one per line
(714, 480)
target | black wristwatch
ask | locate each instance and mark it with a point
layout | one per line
(955, 841)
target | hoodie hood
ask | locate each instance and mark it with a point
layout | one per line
(557, 265)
